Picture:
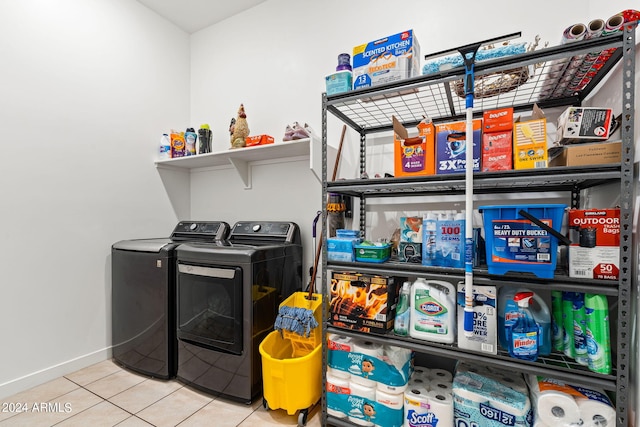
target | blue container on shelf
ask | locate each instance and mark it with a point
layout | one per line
(515, 244)
(341, 247)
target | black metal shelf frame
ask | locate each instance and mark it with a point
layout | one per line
(369, 111)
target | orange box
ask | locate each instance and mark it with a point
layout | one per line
(413, 156)
(498, 120)
(258, 140)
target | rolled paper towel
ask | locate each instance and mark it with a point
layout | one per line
(556, 408)
(337, 388)
(441, 375)
(596, 413)
(363, 372)
(441, 405)
(362, 410)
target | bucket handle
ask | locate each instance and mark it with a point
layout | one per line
(562, 239)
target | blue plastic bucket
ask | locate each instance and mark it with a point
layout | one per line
(515, 244)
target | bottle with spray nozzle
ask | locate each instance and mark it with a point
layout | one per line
(525, 332)
(401, 324)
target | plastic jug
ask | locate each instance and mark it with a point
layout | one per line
(508, 312)
(433, 311)
(402, 321)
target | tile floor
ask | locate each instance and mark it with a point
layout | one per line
(106, 395)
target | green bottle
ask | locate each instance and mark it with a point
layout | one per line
(557, 340)
(567, 321)
(598, 339)
(579, 330)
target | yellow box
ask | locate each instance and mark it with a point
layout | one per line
(530, 144)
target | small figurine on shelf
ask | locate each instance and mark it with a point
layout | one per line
(232, 126)
(240, 129)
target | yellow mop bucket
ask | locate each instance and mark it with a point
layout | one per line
(304, 344)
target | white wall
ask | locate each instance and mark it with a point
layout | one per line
(88, 86)
(85, 90)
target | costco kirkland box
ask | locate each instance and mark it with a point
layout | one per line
(386, 60)
(595, 243)
(599, 153)
(363, 302)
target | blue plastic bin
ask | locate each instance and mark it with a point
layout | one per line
(515, 244)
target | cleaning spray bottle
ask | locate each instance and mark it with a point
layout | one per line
(567, 321)
(525, 331)
(433, 311)
(579, 330)
(402, 321)
(508, 312)
(597, 332)
(557, 339)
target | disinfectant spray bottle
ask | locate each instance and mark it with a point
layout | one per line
(401, 325)
(597, 327)
(579, 330)
(525, 332)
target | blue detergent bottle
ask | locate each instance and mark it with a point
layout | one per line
(525, 332)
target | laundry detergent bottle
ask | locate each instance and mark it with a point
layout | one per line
(433, 311)
(525, 332)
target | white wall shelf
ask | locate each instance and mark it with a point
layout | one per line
(241, 158)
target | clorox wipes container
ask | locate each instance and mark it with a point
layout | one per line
(433, 311)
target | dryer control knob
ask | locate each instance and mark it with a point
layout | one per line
(193, 226)
(256, 227)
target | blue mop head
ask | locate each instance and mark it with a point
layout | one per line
(295, 319)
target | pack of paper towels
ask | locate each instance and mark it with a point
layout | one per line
(562, 405)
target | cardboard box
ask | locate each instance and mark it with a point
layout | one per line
(258, 140)
(497, 151)
(485, 319)
(363, 302)
(595, 243)
(413, 156)
(584, 124)
(386, 60)
(497, 120)
(451, 147)
(601, 153)
(530, 144)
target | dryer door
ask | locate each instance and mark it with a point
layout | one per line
(210, 306)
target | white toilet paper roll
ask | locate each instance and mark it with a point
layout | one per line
(441, 375)
(336, 385)
(441, 386)
(391, 400)
(338, 373)
(595, 413)
(358, 415)
(420, 372)
(470, 395)
(390, 388)
(419, 382)
(416, 403)
(557, 408)
(364, 373)
(339, 342)
(515, 382)
(441, 405)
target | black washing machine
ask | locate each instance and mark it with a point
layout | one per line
(143, 321)
(228, 299)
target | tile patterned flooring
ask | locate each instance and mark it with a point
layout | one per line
(106, 395)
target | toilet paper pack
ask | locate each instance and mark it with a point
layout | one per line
(488, 403)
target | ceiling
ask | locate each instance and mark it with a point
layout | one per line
(194, 15)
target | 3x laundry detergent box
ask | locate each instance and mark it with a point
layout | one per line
(485, 319)
(386, 60)
(451, 146)
(595, 243)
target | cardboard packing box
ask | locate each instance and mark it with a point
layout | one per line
(530, 142)
(413, 156)
(598, 153)
(363, 302)
(451, 146)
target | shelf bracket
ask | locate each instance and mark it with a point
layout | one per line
(243, 169)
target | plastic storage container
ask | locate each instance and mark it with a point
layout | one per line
(516, 244)
(342, 247)
(377, 252)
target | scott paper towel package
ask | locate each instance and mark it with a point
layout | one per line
(564, 405)
(373, 365)
(486, 402)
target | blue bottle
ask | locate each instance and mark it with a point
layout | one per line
(525, 332)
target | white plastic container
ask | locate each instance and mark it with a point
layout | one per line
(433, 311)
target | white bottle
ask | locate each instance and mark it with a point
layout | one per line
(433, 311)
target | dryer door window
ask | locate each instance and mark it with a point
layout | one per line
(210, 306)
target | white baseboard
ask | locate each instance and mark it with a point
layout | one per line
(42, 376)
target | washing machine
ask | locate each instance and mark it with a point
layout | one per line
(228, 295)
(143, 300)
